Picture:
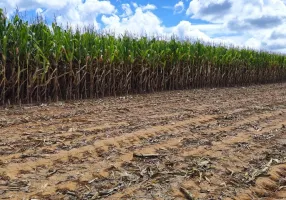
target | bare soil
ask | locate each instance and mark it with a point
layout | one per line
(225, 143)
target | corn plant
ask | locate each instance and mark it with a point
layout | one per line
(41, 63)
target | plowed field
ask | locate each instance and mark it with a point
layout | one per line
(225, 143)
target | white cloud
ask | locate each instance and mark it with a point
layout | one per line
(145, 22)
(149, 7)
(73, 12)
(24, 5)
(185, 30)
(39, 11)
(179, 7)
(127, 10)
(254, 43)
(209, 10)
(220, 11)
(253, 21)
(135, 5)
(95, 6)
(141, 22)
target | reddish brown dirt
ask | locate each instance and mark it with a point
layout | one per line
(215, 143)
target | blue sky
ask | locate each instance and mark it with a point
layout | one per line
(258, 24)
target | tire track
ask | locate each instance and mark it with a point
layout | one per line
(226, 117)
(171, 143)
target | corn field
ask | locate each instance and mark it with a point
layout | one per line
(39, 63)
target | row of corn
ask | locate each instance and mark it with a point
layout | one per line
(41, 63)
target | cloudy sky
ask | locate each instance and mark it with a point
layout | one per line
(259, 24)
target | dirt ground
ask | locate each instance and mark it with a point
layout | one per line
(225, 143)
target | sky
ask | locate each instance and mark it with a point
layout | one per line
(257, 24)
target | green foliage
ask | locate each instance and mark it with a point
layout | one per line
(41, 63)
